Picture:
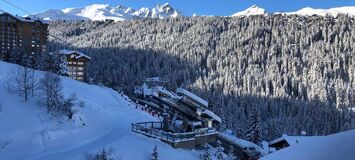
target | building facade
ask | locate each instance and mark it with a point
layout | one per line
(76, 63)
(21, 33)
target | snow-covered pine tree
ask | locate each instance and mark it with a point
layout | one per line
(231, 155)
(219, 151)
(61, 65)
(155, 155)
(253, 132)
(206, 155)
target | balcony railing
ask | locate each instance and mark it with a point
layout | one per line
(154, 129)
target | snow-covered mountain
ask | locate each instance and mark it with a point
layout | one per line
(121, 13)
(350, 10)
(105, 11)
(253, 10)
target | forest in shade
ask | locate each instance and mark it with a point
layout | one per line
(296, 72)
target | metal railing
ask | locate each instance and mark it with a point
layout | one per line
(154, 129)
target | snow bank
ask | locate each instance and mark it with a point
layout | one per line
(332, 147)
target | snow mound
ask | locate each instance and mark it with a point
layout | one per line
(253, 10)
(332, 147)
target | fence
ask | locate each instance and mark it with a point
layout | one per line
(154, 129)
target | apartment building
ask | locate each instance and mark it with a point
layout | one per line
(20, 32)
(76, 63)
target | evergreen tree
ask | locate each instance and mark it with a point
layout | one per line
(219, 151)
(231, 155)
(155, 153)
(206, 155)
(253, 132)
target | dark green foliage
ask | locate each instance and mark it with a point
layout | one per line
(294, 70)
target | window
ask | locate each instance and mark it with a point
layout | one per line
(80, 63)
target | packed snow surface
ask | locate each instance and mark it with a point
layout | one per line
(332, 147)
(27, 132)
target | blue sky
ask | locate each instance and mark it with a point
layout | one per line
(188, 7)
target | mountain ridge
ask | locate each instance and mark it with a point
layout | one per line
(120, 13)
(106, 11)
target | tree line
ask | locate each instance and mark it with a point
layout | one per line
(287, 73)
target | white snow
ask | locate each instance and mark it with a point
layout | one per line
(105, 11)
(253, 10)
(191, 95)
(292, 140)
(242, 143)
(28, 132)
(212, 115)
(332, 147)
(308, 11)
(68, 52)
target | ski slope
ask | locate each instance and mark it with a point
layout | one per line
(27, 132)
(333, 147)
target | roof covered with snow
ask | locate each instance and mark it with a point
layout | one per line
(212, 115)
(69, 52)
(332, 147)
(241, 142)
(191, 95)
(24, 19)
(291, 140)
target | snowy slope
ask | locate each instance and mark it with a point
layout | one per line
(105, 11)
(350, 10)
(33, 135)
(332, 147)
(253, 10)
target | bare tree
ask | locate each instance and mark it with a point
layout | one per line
(53, 97)
(22, 81)
(51, 89)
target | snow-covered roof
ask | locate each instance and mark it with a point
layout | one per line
(68, 52)
(24, 19)
(291, 140)
(191, 95)
(240, 142)
(154, 79)
(212, 115)
(332, 147)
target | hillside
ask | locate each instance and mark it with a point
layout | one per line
(332, 147)
(294, 69)
(28, 132)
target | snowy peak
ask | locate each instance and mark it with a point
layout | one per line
(105, 11)
(253, 10)
(160, 11)
(308, 11)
